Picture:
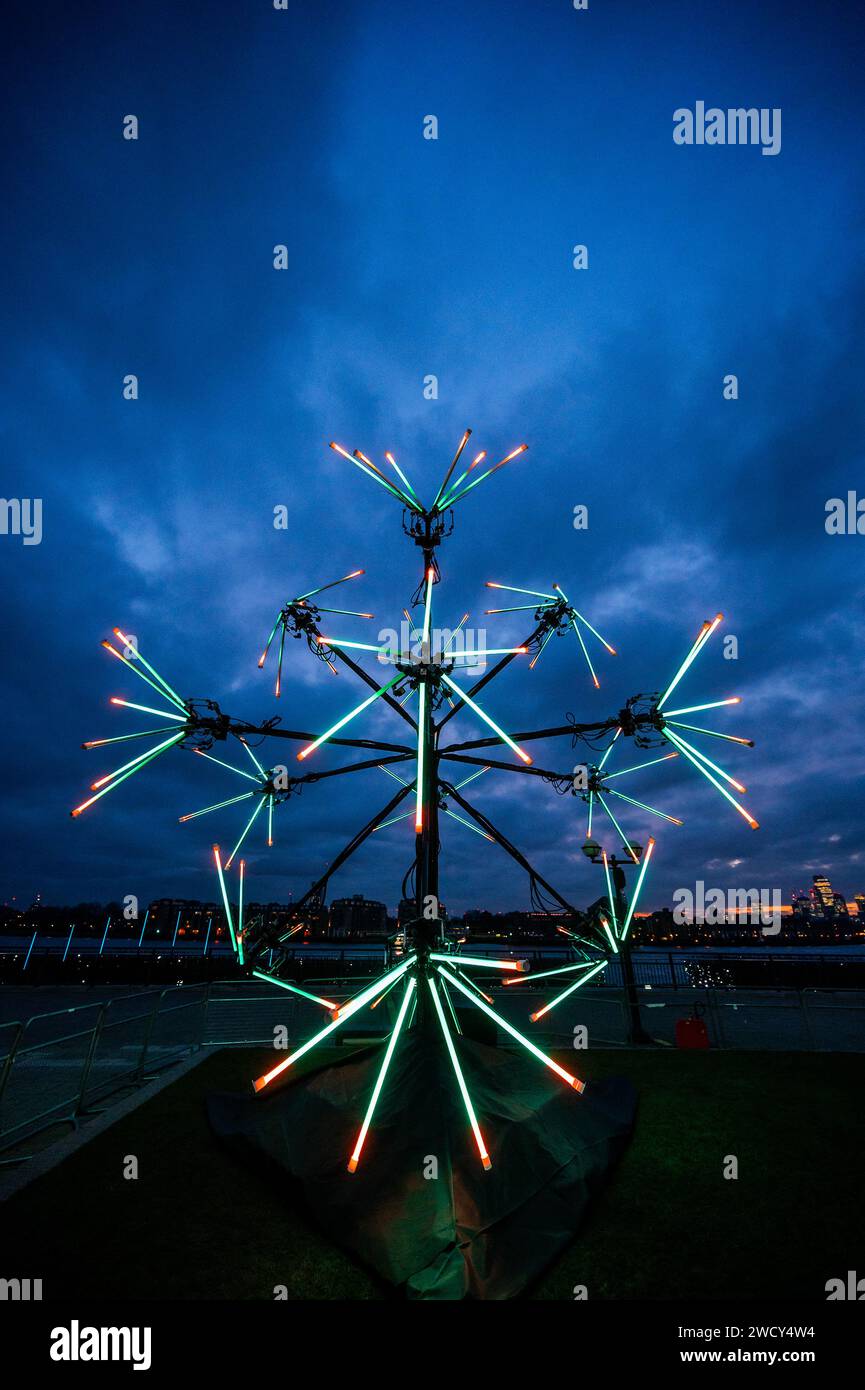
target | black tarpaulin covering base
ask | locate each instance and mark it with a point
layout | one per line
(464, 1233)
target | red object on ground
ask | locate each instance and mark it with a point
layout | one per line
(691, 1032)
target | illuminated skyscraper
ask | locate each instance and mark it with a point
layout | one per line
(824, 895)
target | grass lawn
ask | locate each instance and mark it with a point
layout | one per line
(196, 1225)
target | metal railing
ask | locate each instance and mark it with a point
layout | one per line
(57, 1066)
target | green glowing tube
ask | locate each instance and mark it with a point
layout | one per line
(629, 916)
(310, 593)
(482, 962)
(456, 458)
(395, 466)
(451, 1009)
(294, 989)
(421, 751)
(513, 589)
(133, 762)
(124, 738)
(278, 690)
(485, 717)
(589, 825)
(586, 653)
(565, 992)
(682, 743)
(343, 1014)
(626, 844)
(230, 766)
(637, 766)
(153, 753)
(228, 916)
(232, 800)
(464, 1090)
(263, 657)
(169, 691)
(610, 898)
(240, 914)
(755, 825)
(383, 1070)
(509, 1028)
(700, 641)
(468, 824)
(382, 767)
(674, 820)
(713, 733)
(612, 940)
(270, 803)
(559, 970)
(394, 820)
(454, 496)
(341, 723)
(146, 709)
(608, 751)
(537, 656)
(246, 829)
(464, 783)
(160, 689)
(713, 704)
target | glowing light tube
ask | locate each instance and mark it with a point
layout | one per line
(333, 583)
(713, 733)
(612, 940)
(512, 589)
(629, 916)
(626, 844)
(482, 962)
(447, 477)
(246, 829)
(160, 690)
(133, 762)
(383, 1070)
(754, 824)
(636, 768)
(228, 916)
(294, 989)
(169, 690)
(396, 468)
(263, 657)
(565, 992)
(586, 653)
(698, 753)
(464, 1091)
(154, 753)
(674, 820)
(603, 641)
(344, 1014)
(378, 478)
(421, 753)
(124, 738)
(609, 750)
(699, 642)
(230, 766)
(485, 717)
(341, 723)
(509, 1028)
(559, 970)
(610, 898)
(205, 810)
(454, 496)
(240, 913)
(145, 709)
(468, 824)
(713, 704)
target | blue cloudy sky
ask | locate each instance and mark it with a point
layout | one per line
(410, 257)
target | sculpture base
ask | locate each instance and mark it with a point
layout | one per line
(420, 1210)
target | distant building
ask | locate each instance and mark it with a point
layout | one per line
(825, 898)
(357, 916)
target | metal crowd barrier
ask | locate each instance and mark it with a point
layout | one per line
(58, 1066)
